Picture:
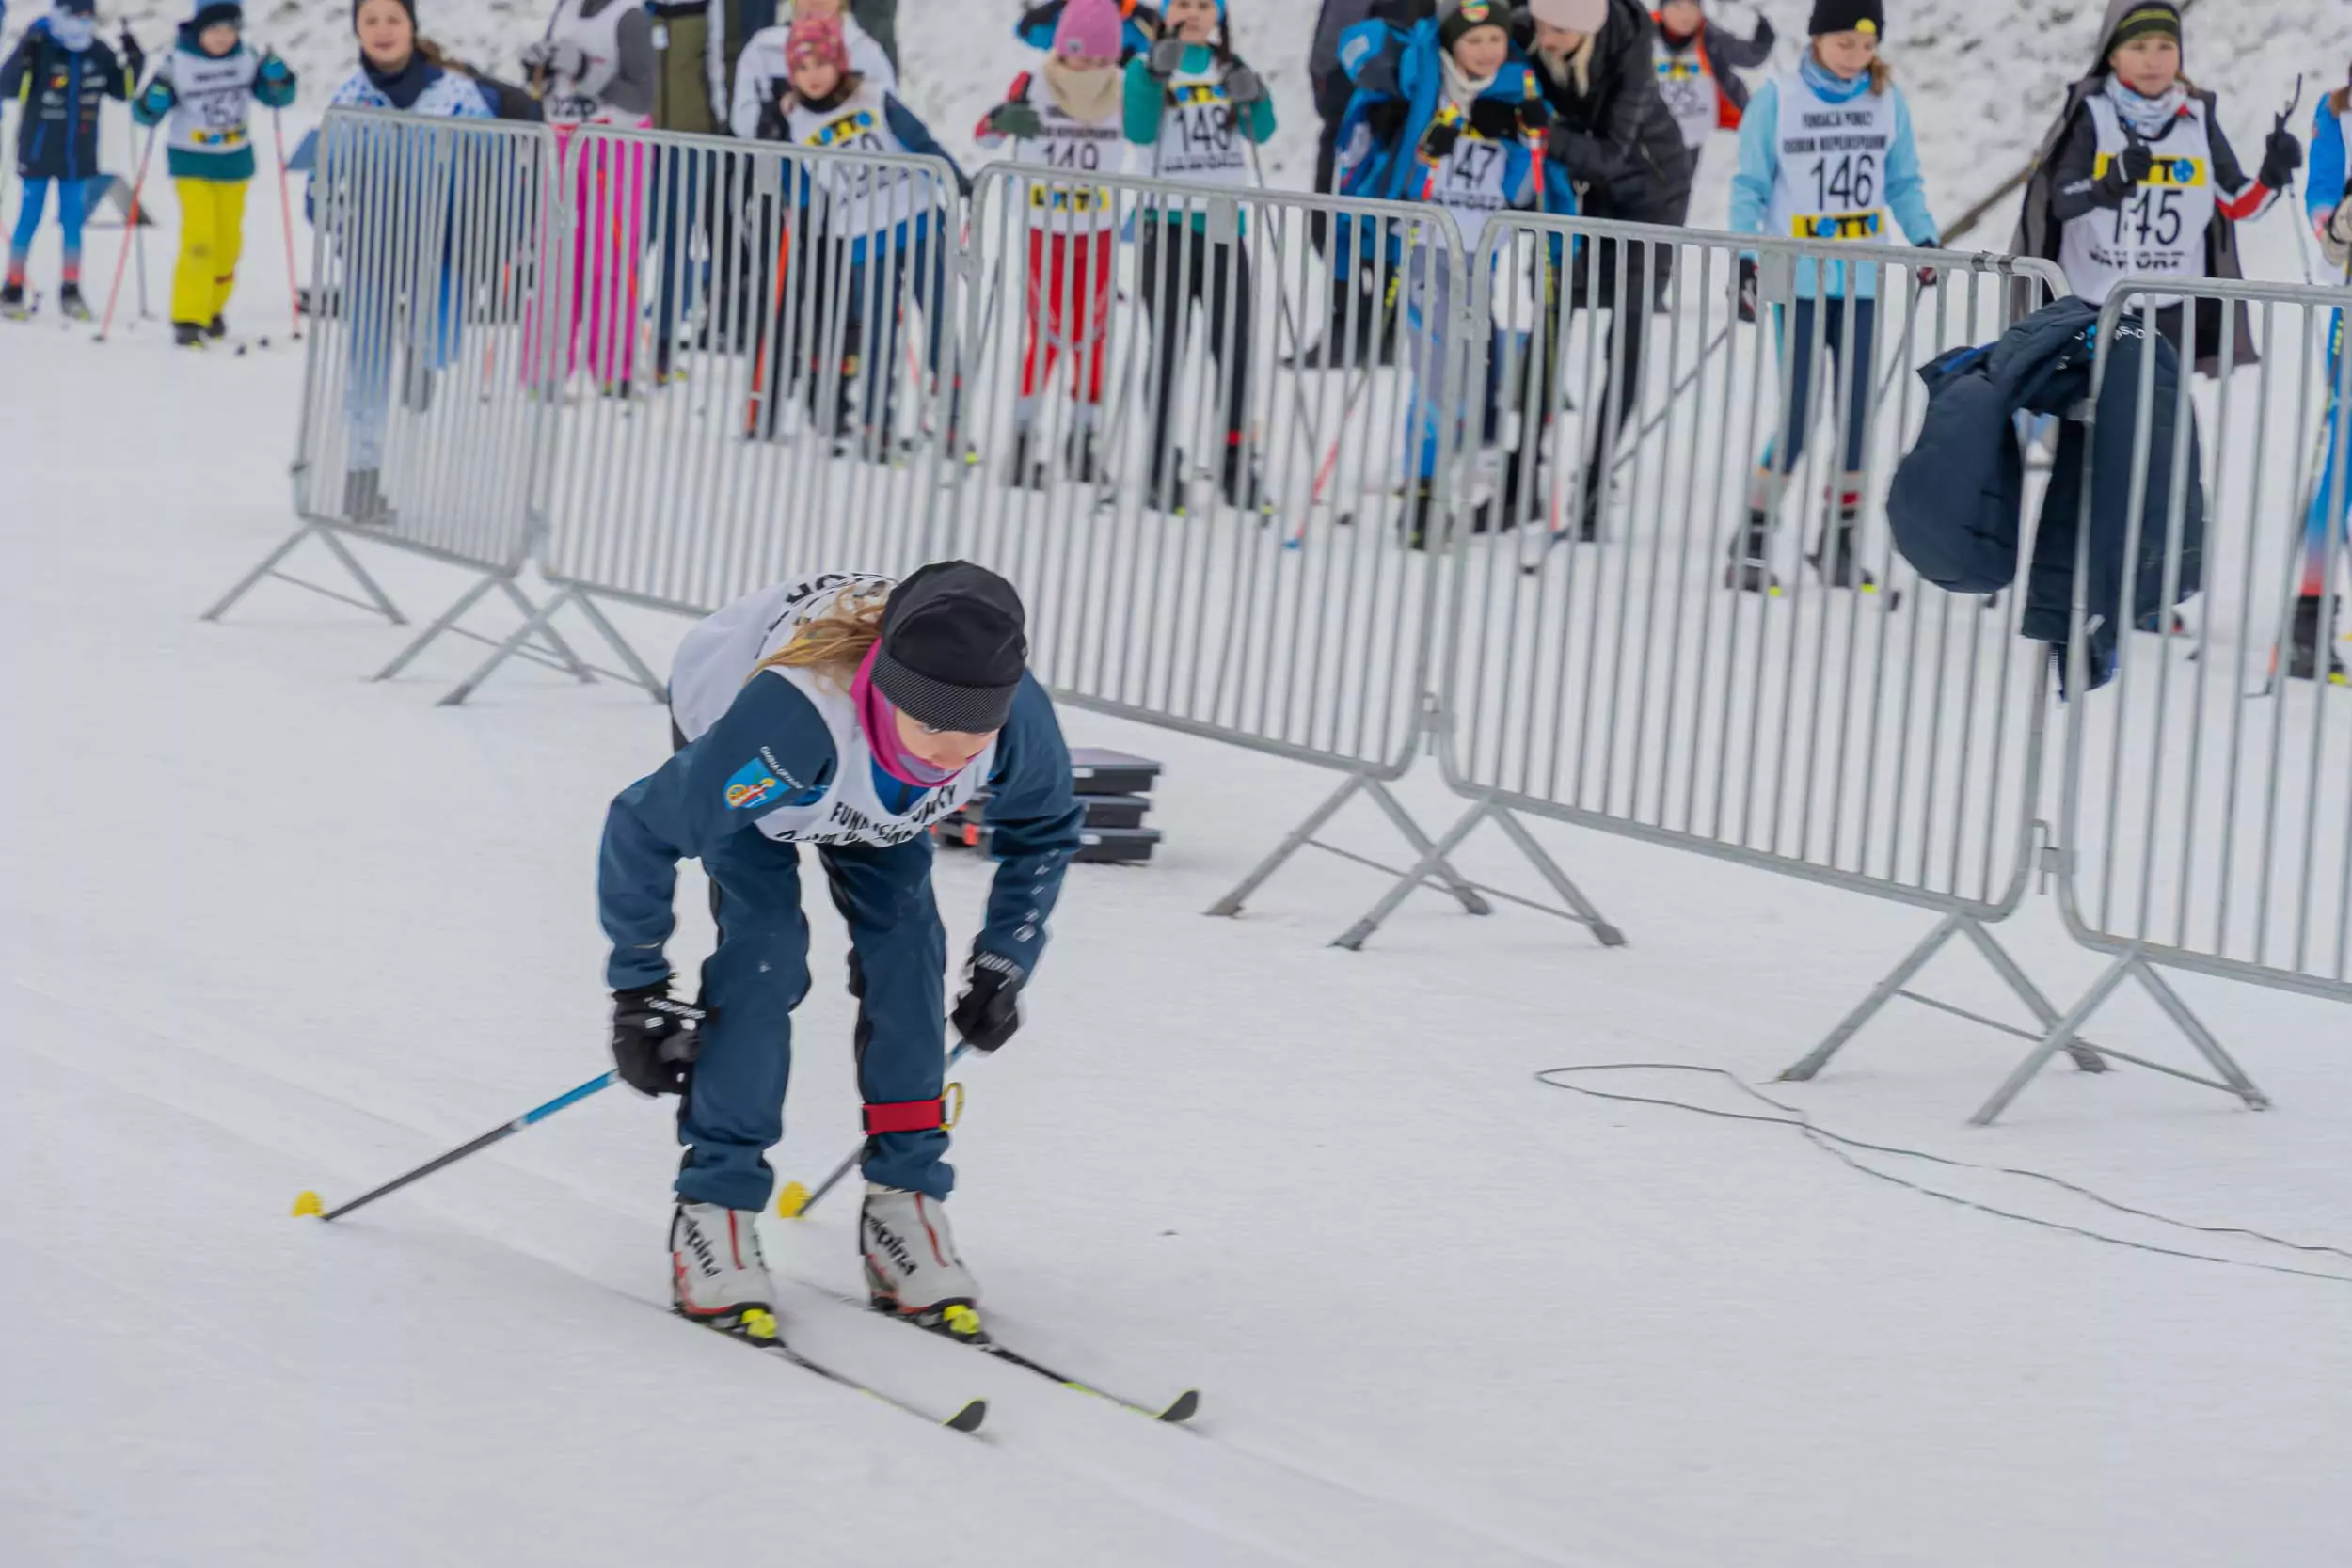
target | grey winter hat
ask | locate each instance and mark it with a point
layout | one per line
(1574, 16)
(954, 646)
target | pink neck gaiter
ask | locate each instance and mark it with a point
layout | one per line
(881, 720)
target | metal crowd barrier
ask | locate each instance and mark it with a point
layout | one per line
(1608, 665)
(751, 373)
(1210, 535)
(2206, 815)
(417, 424)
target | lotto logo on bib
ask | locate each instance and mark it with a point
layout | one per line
(848, 128)
(1678, 71)
(752, 786)
(1835, 226)
(2178, 174)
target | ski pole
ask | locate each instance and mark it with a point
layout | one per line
(795, 1201)
(308, 1203)
(122, 256)
(285, 214)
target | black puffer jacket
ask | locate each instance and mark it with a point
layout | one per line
(1615, 138)
(62, 89)
(1959, 493)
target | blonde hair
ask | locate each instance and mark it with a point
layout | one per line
(836, 643)
(1881, 74)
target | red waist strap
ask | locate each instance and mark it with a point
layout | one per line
(907, 1115)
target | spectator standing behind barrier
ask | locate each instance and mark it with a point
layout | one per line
(204, 86)
(846, 713)
(2137, 177)
(2311, 645)
(1698, 70)
(1451, 115)
(763, 74)
(882, 228)
(1067, 119)
(401, 281)
(1615, 143)
(1791, 185)
(596, 66)
(62, 73)
(696, 43)
(1360, 323)
(1195, 105)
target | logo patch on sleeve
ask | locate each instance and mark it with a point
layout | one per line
(753, 785)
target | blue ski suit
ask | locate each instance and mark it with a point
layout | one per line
(2330, 505)
(694, 808)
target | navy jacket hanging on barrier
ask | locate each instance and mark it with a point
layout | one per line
(1960, 492)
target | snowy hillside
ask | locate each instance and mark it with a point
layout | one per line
(1984, 76)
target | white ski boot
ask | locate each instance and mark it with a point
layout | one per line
(717, 1272)
(911, 1263)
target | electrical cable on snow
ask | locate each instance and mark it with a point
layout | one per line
(1837, 1144)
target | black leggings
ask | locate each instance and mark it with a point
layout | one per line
(1181, 267)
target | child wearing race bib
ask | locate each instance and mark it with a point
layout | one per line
(1826, 155)
(206, 85)
(763, 74)
(2311, 646)
(879, 228)
(2138, 178)
(847, 714)
(60, 74)
(1457, 118)
(1698, 65)
(1067, 118)
(1194, 107)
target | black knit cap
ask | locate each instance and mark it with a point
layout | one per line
(408, 5)
(1848, 16)
(212, 13)
(954, 646)
(2155, 17)
(1457, 17)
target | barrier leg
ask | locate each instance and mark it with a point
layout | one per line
(1434, 861)
(2207, 1047)
(441, 622)
(553, 638)
(655, 686)
(1231, 903)
(1881, 994)
(1464, 893)
(507, 649)
(2085, 1056)
(2060, 1034)
(378, 601)
(1585, 910)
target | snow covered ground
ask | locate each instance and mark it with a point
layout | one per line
(268, 928)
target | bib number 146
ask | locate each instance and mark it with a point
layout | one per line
(1850, 183)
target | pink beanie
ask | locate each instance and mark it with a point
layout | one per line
(1088, 30)
(817, 37)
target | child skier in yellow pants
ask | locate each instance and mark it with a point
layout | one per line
(205, 85)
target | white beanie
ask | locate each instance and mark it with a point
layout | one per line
(1574, 16)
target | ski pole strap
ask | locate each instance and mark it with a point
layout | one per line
(915, 1115)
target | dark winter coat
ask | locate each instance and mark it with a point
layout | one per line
(1959, 492)
(56, 135)
(2065, 157)
(1727, 55)
(1616, 142)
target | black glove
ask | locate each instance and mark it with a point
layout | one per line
(1765, 37)
(1243, 86)
(989, 1011)
(655, 1038)
(1437, 142)
(1494, 119)
(2282, 156)
(1021, 121)
(1167, 58)
(1534, 118)
(133, 57)
(2125, 171)
(1749, 286)
(1385, 119)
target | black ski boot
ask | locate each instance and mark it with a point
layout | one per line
(12, 304)
(189, 335)
(1169, 472)
(216, 328)
(1750, 570)
(70, 304)
(1839, 561)
(1419, 502)
(1239, 482)
(1078, 463)
(2310, 644)
(1522, 489)
(363, 499)
(1026, 472)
